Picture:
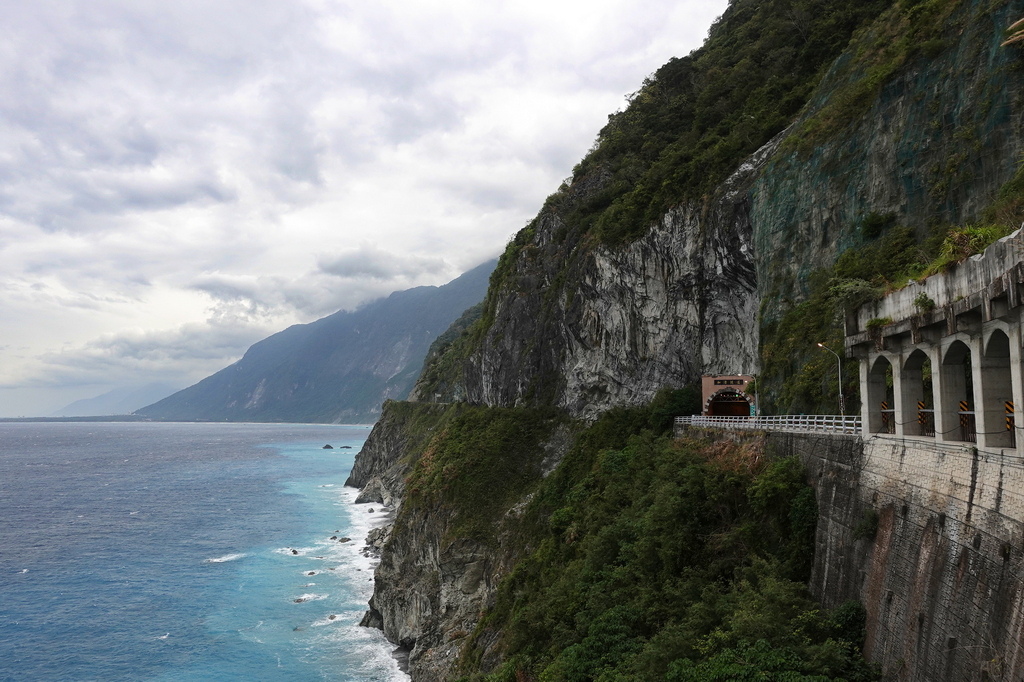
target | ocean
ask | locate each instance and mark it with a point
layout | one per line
(173, 552)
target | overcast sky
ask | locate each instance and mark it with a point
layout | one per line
(181, 179)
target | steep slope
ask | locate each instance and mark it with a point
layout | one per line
(639, 273)
(337, 369)
(645, 272)
(708, 214)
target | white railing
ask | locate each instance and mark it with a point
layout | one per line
(805, 423)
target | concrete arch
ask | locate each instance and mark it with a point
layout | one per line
(956, 350)
(879, 398)
(997, 398)
(957, 392)
(916, 395)
(992, 330)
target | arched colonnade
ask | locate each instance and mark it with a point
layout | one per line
(961, 387)
(941, 357)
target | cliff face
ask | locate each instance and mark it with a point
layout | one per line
(585, 329)
(931, 144)
(919, 122)
(456, 475)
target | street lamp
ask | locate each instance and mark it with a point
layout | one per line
(842, 405)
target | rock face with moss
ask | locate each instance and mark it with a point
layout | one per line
(450, 543)
(917, 124)
(803, 131)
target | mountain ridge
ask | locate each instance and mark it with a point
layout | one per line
(337, 369)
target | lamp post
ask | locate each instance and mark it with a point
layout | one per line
(842, 406)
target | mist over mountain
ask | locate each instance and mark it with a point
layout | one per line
(337, 369)
(124, 400)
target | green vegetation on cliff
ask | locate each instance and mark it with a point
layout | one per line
(478, 463)
(798, 377)
(475, 462)
(652, 558)
(697, 118)
(691, 124)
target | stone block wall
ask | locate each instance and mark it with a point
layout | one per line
(930, 538)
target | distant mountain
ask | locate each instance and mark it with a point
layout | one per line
(338, 369)
(117, 402)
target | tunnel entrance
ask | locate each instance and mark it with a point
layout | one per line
(728, 403)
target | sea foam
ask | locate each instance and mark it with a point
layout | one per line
(225, 558)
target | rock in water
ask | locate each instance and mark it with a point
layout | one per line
(327, 447)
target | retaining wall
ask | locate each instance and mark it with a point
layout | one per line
(930, 538)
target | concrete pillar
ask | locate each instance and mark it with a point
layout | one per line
(865, 395)
(911, 390)
(977, 400)
(874, 391)
(935, 358)
(900, 414)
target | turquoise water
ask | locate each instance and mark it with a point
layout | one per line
(184, 552)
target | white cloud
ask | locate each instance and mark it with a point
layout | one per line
(374, 263)
(207, 166)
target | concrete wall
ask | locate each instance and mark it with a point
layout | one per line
(941, 578)
(974, 278)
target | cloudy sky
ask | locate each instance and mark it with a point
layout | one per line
(181, 179)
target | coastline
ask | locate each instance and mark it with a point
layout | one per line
(377, 531)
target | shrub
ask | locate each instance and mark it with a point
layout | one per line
(676, 562)
(923, 302)
(963, 242)
(867, 527)
(872, 225)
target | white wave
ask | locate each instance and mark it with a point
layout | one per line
(294, 551)
(369, 647)
(332, 619)
(226, 557)
(309, 596)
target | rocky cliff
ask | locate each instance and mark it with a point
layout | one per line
(588, 328)
(700, 219)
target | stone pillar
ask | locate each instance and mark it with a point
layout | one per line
(942, 423)
(900, 413)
